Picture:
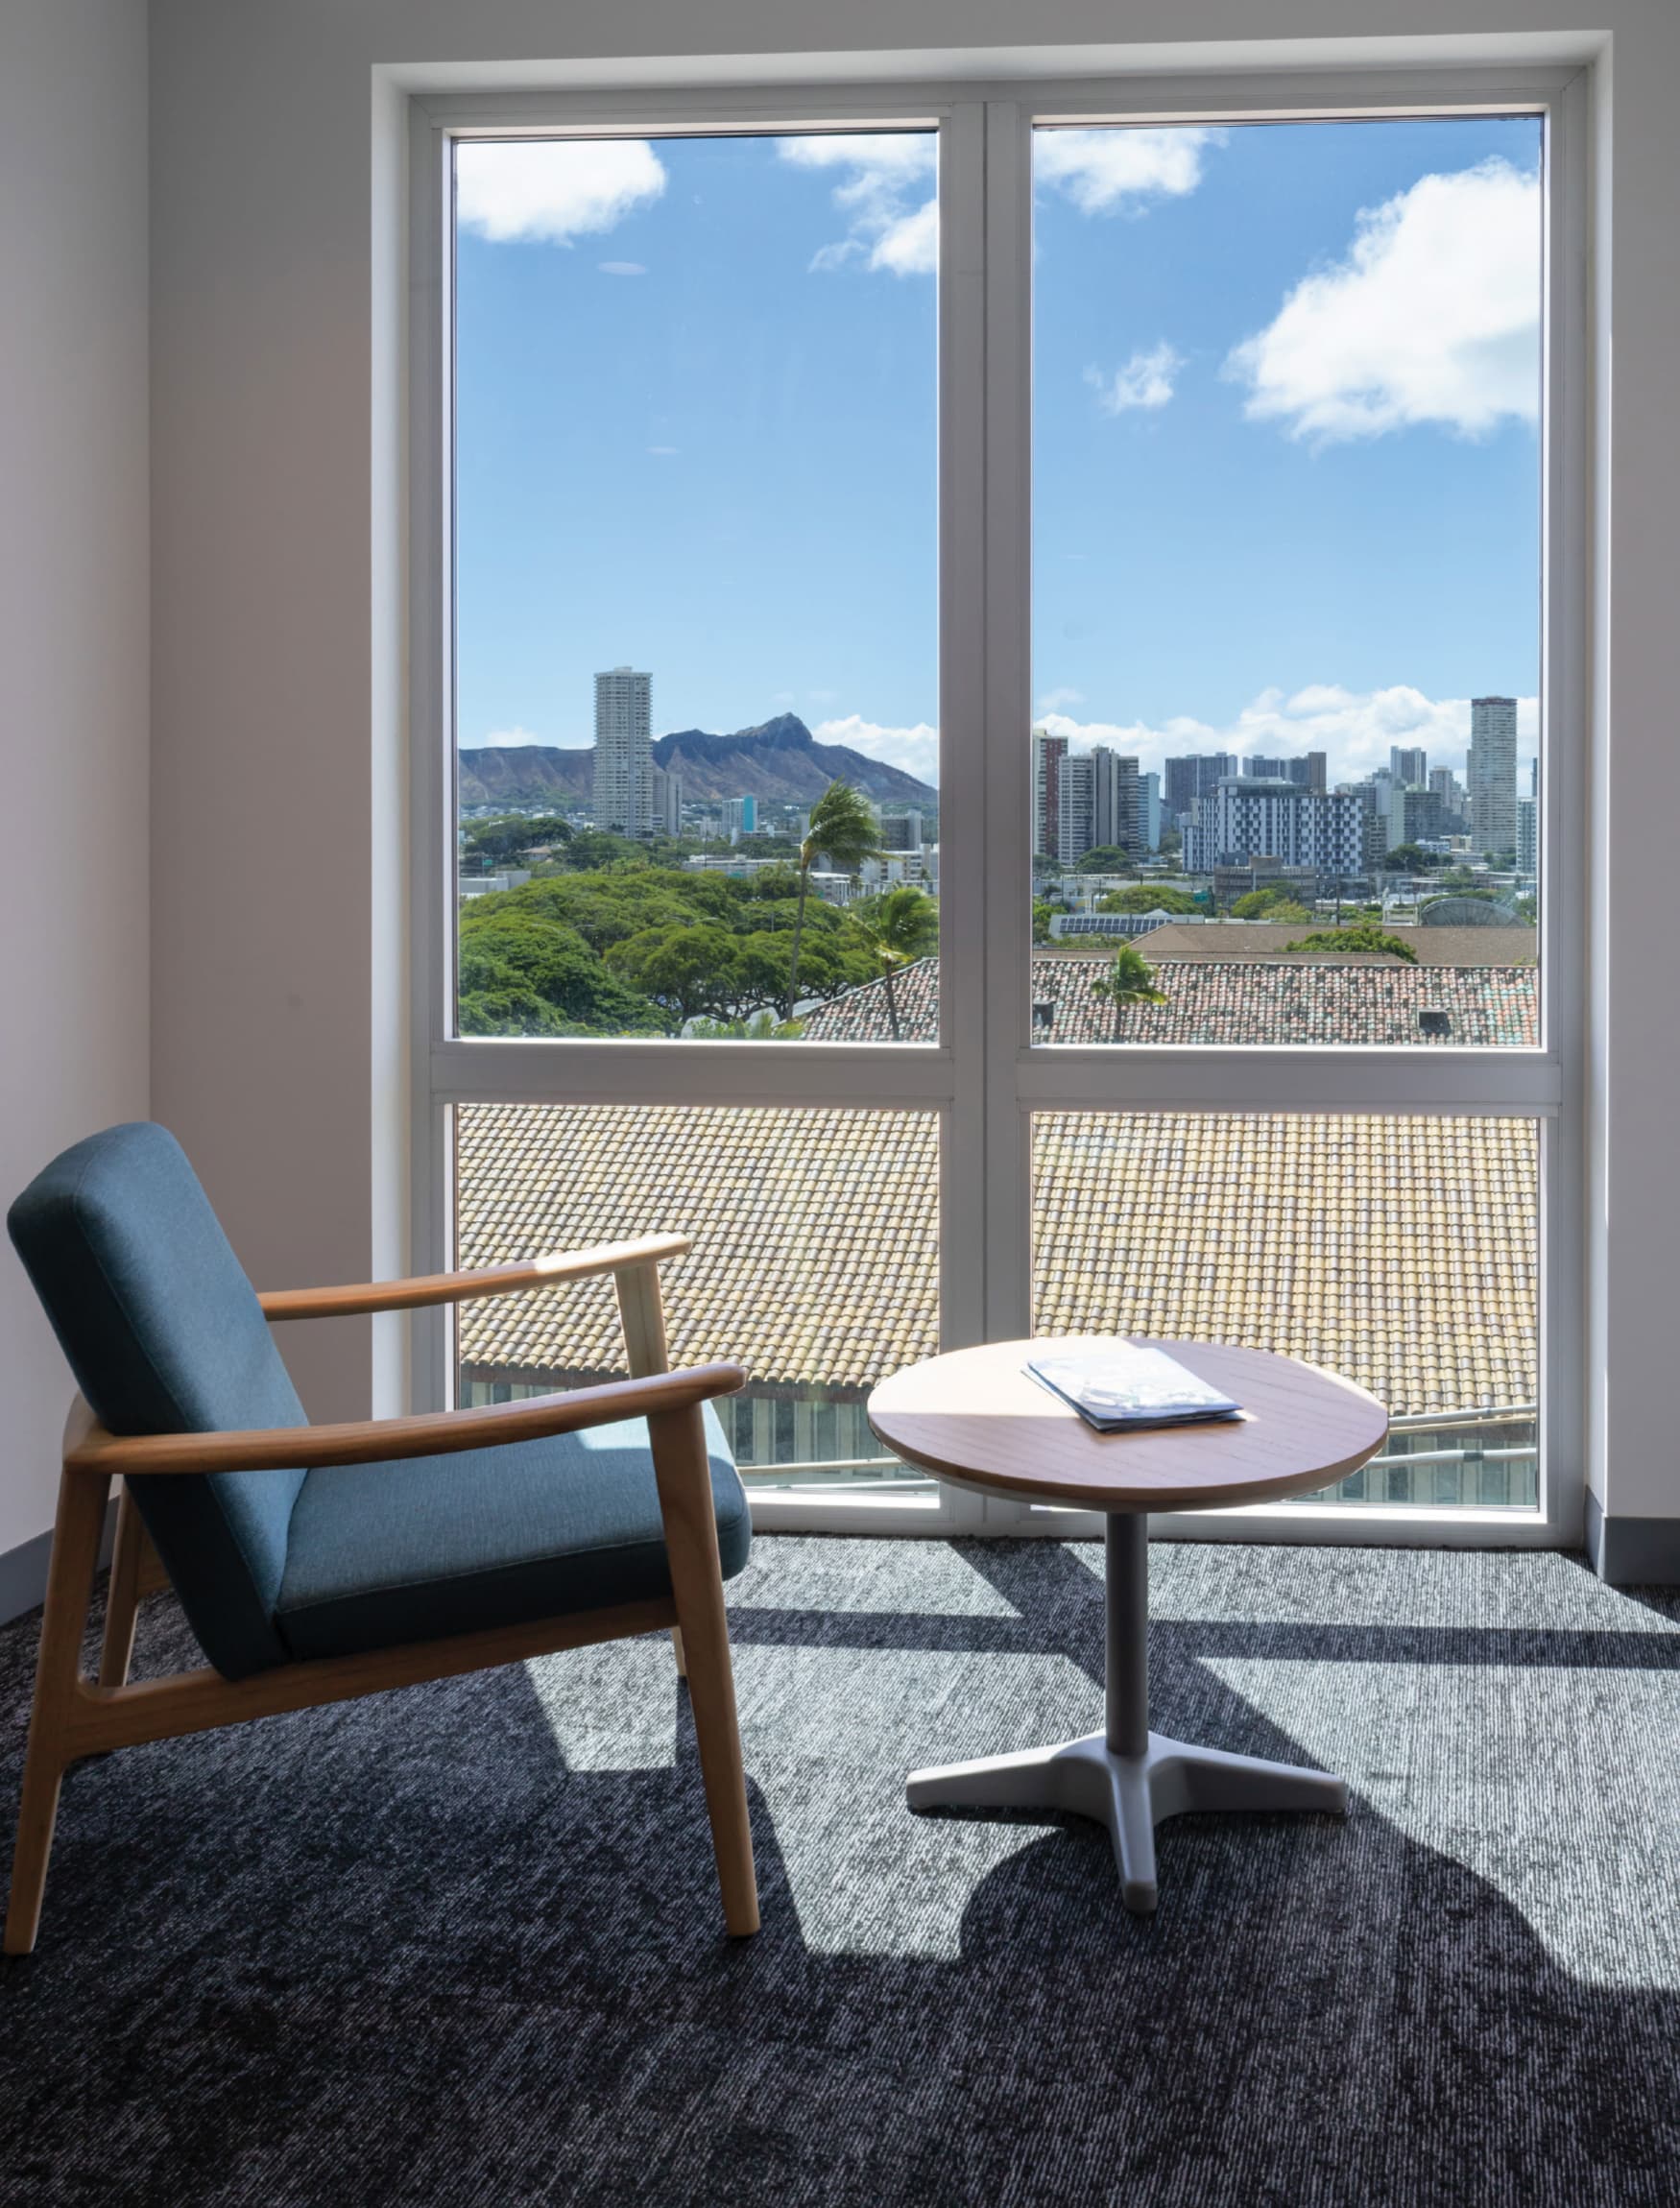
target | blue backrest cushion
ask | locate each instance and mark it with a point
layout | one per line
(164, 1335)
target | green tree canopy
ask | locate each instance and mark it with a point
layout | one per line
(1408, 858)
(495, 842)
(687, 971)
(1270, 904)
(1103, 858)
(1362, 939)
(1149, 896)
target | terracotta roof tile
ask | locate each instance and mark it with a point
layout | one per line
(1401, 1250)
(1233, 1001)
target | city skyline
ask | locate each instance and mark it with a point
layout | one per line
(756, 482)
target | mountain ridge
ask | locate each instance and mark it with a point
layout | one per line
(779, 763)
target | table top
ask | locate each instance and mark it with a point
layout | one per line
(974, 1416)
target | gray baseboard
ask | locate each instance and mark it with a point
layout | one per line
(23, 1570)
(1633, 1552)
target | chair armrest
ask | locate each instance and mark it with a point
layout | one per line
(90, 1449)
(426, 1288)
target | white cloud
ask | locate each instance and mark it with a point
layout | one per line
(1354, 728)
(508, 737)
(1146, 381)
(915, 749)
(552, 189)
(1106, 171)
(1432, 317)
(1053, 701)
(885, 177)
(622, 268)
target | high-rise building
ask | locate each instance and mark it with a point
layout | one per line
(1247, 817)
(1409, 767)
(1193, 776)
(1149, 810)
(1492, 774)
(1098, 803)
(1528, 826)
(624, 787)
(667, 803)
(740, 817)
(1075, 805)
(1451, 791)
(1048, 752)
(1117, 800)
(1413, 814)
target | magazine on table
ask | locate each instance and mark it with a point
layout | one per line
(1123, 1387)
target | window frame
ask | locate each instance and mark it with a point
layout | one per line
(984, 1076)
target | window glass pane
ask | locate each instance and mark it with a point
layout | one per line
(1284, 773)
(695, 583)
(1402, 1252)
(815, 1263)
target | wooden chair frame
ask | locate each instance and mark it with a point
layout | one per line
(74, 1715)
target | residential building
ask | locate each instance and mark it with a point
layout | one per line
(1492, 774)
(1408, 765)
(1047, 754)
(1451, 791)
(666, 810)
(1098, 803)
(1248, 817)
(740, 818)
(1191, 778)
(1414, 814)
(900, 831)
(1075, 805)
(624, 751)
(1149, 810)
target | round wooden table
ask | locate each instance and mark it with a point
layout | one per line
(975, 1417)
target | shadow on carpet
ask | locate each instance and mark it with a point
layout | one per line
(462, 1944)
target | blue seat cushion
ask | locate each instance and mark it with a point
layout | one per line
(383, 1553)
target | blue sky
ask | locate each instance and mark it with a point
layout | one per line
(1285, 451)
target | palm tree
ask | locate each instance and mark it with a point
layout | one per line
(841, 826)
(1128, 979)
(903, 925)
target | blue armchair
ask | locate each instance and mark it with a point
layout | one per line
(319, 1563)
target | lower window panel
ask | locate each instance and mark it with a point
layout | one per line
(815, 1264)
(1403, 1252)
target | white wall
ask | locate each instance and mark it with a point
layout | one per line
(270, 826)
(73, 642)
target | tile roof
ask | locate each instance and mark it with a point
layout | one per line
(1270, 939)
(1372, 1001)
(1400, 1251)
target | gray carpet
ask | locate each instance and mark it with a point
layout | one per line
(462, 1946)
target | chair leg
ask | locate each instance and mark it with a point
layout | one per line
(684, 1484)
(76, 1537)
(677, 1651)
(122, 1598)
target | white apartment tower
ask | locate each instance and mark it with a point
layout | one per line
(1492, 774)
(624, 767)
(1098, 802)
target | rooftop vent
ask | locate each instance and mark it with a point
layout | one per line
(1435, 1023)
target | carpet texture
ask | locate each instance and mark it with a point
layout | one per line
(462, 1945)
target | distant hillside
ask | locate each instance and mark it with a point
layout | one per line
(780, 764)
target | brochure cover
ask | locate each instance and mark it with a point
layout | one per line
(1122, 1387)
